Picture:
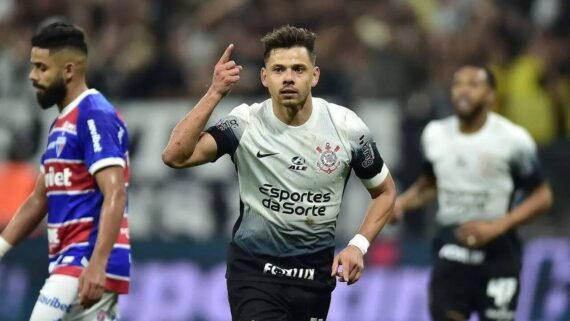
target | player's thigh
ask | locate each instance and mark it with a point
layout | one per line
(259, 301)
(308, 304)
(451, 294)
(498, 298)
(56, 298)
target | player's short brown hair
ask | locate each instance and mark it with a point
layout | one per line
(288, 37)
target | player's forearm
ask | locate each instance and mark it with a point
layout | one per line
(26, 219)
(539, 201)
(185, 135)
(418, 195)
(379, 212)
(112, 213)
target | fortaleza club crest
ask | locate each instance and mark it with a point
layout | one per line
(328, 161)
(59, 145)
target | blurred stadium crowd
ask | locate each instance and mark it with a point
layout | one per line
(397, 50)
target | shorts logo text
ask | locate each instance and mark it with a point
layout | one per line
(54, 303)
(308, 274)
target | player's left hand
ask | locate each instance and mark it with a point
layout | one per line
(91, 285)
(352, 262)
(476, 234)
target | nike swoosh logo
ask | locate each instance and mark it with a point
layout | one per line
(260, 155)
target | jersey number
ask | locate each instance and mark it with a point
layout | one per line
(502, 290)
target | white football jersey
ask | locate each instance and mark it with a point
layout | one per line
(477, 174)
(292, 178)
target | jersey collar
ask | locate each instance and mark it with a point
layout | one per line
(71, 106)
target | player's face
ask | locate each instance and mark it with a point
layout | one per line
(470, 92)
(289, 74)
(47, 77)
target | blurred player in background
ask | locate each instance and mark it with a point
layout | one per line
(293, 154)
(82, 187)
(476, 162)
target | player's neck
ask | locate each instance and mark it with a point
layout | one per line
(294, 116)
(73, 91)
(473, 125)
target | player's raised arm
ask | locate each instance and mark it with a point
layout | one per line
(188, 146)
(27, 217)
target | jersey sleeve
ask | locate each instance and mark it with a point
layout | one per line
(366, 161)
(525, 166)
(427, 165)
(228, 130)
(101, 134)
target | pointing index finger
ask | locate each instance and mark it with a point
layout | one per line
(226, 56)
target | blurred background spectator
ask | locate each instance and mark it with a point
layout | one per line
(390, 60)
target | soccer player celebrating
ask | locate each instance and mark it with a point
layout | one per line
(293, 154)
(475, 161)
(82, 186)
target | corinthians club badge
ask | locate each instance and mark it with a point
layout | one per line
(328, 161)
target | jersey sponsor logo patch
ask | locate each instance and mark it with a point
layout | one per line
(462, 201)
(262, 155)
(287, 202)
(298, 163)
(227, 124)
(70, 127)
(328, 160)
(58, 178)
(94, 136)
(367, 151)
(299, 273)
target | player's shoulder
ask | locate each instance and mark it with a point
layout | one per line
(509, 130)
(440, 127)
(342, 117)
(96, 104)
(246, 111)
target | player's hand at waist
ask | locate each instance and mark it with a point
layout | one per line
(479, 233)
(91, 284)
(226, 74)
(352, 262)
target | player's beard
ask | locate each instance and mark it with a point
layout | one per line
(51, 95)
(478, 108)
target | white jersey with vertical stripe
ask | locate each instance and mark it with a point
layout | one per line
(477, 174)
(87, 136)
(292, 178)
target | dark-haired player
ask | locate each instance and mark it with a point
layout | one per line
(82, 187)
(475, 162)
(293, 154)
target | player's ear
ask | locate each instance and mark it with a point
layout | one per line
(69, 71)
(316, 75)
(263, 75)
(491, 96)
